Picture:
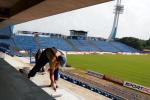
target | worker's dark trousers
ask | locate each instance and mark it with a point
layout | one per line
(56, 74)
(39, 64)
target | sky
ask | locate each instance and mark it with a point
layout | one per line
(97, 20)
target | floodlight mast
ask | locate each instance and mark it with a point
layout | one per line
(118, 10)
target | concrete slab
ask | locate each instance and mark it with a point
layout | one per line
(14, 86)
(43, 82)
(68, 90)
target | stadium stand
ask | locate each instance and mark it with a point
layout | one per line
(123, 47)
(7, 41)
(6, 45)
(27, 42)
(83, 45)
(105, 46)
(54, 42)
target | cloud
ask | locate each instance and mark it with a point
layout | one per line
(98, 20)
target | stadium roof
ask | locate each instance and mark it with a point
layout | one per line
(19, 11)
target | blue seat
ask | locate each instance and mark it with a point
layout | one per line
(25, 42)
(123, 47)
(105, 46)
(83, 45)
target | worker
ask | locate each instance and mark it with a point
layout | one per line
(37, 56)
(55, 58)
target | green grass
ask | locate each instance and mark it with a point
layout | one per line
(133, 68)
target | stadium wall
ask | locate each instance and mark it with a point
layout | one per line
(82, 53)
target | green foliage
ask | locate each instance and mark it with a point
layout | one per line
(133, 68)
(148, 44)
(136, 43)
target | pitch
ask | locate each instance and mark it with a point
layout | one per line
(133, 68)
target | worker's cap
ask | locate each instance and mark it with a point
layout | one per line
(62, 60)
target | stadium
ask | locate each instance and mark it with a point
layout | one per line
(108, 67)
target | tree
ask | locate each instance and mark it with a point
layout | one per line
(148, 42)
(133, 42)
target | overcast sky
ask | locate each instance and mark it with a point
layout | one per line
(98, 20)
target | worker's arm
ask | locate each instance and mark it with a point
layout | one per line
(52, 79)
(52, 69)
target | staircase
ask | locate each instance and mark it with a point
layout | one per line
(93, 45)
(72, 45)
